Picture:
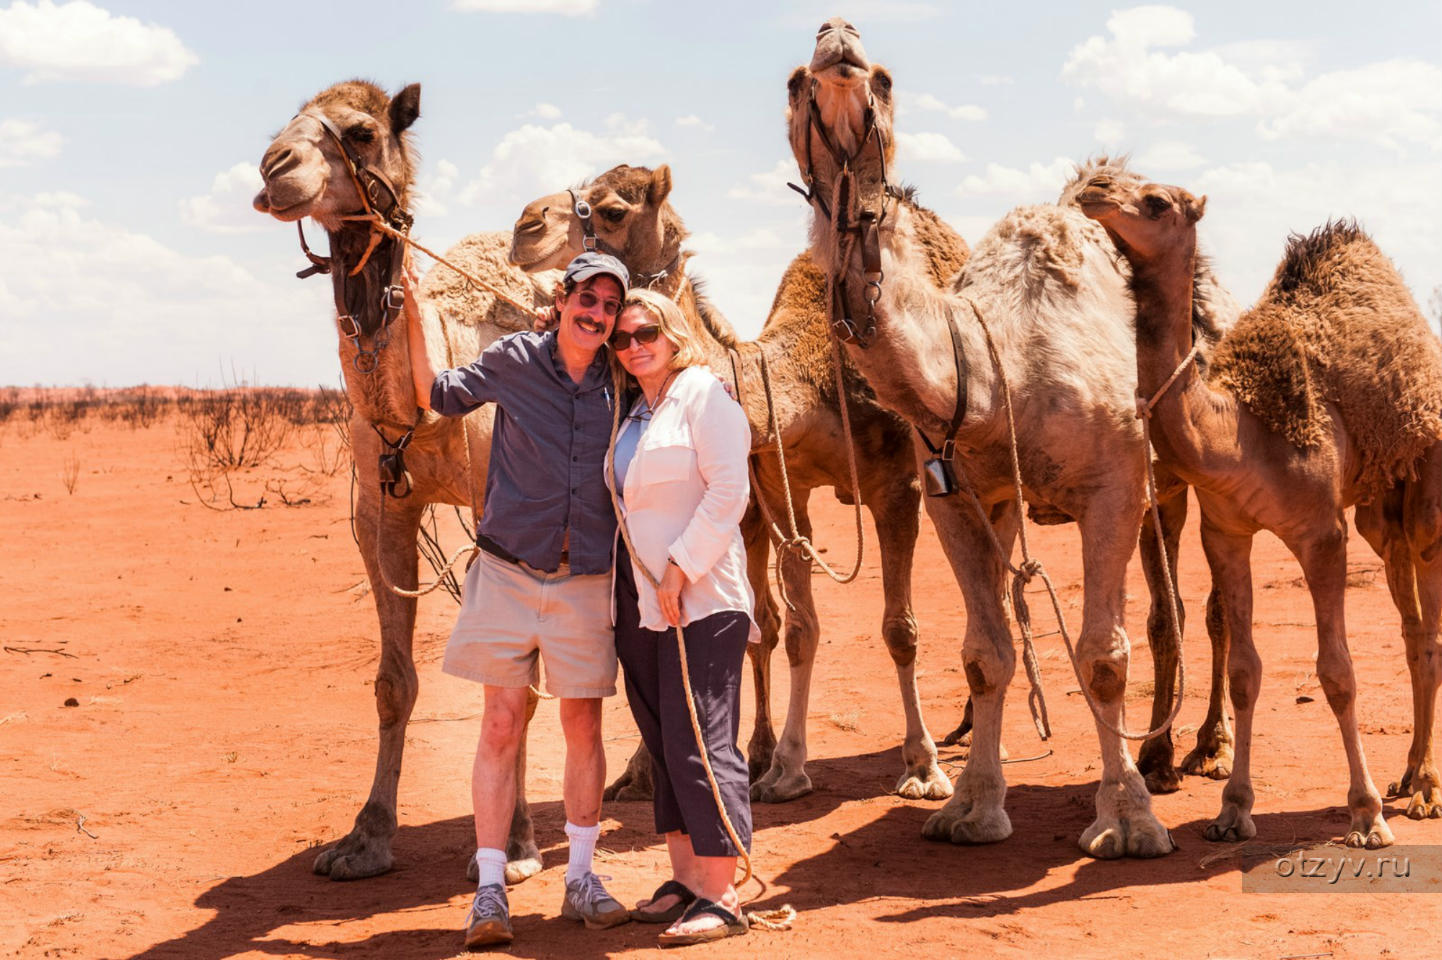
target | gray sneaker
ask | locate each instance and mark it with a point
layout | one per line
(587, 901)
(489, 922)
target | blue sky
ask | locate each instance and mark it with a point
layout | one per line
(130, 131)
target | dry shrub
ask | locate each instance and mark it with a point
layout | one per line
(70, 472)
(235, 437)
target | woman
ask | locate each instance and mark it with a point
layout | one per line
(679, 470)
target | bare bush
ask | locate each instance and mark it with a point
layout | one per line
(70, 472)
(234, 427)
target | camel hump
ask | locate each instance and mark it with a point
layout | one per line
(464, 304)
(1338, 325)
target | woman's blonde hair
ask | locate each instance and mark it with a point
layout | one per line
(673, 323)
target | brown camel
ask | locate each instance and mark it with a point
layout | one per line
(306, 175)
(1328, 392)
(632, 217)
(1214, 311)
(1047, 286)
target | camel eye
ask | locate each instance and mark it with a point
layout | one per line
(361, 133)
(613, 214)
(1156, 205)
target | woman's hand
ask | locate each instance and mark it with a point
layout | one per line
(669, 593)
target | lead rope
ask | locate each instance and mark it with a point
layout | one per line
(782, 917)
(1031, 568)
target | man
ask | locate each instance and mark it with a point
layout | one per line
(542, 584)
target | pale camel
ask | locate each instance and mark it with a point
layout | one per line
(632, 218)
(1354, 380)
(1048, 287)
(306, 175)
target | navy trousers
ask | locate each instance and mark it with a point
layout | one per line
(715, 650)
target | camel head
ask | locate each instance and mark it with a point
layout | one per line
(305, 173)
(840, 112)
(1144, 219)
(630, 218)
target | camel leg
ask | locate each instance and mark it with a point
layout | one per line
(1423, 518)
(758, 568)
(1324, 564)
(1125, 825)
(895, 514)
(1229, 557)
(1154, 759)
(1212, 756)
(635, 782)
(976, 812)
(787, 778)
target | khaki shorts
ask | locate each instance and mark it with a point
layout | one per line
(513, 613)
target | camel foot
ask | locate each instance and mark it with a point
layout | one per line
(355, 857)
(758, 757)
(1125, 825)
(1232, 825)
(1210, 760)
(1156, 768)
(634, 783)
(976, 812)
(1425, 801)
(924, 781)
(519, 868)
(960, 735)
(779, 786)
(1369, 831)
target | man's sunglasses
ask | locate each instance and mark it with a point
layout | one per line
(621, 339)
(588, 301)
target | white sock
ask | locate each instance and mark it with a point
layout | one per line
(492, 865)
(583, 846)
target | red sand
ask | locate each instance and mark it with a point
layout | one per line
(222, 661)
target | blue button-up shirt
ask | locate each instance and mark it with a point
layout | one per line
(547, 452)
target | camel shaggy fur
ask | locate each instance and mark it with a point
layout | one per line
(1049, 289)
(632, 217)
(306, 175)
(1352, 379)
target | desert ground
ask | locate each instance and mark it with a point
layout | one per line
(187, 716)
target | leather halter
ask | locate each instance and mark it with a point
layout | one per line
(361, 311)
(589, 242)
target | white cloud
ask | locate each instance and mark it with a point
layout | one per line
(1167, 155)
(928, 147)
(545, 111)
(1391, 102)
(226, 208)
(79, 41)
(926, 101)
(995, 80)
(93, 300)
(22, 142)
(1038, 183)
(534, 160)
(770, 186)
(691, 120)
(566, 8)
(434, 188)
(1125, 66)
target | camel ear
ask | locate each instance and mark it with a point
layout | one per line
(799, 76)
(1196, 206)
(405, 108)
(660, 187)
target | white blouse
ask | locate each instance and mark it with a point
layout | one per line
(684, 494)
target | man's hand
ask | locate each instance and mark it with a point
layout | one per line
(411, 285)
(669, 593)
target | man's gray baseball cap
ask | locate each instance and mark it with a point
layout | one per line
(592, 264)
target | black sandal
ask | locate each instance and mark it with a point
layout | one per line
(671, 888)
(731, 925)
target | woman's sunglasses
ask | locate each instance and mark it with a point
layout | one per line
(621, 339)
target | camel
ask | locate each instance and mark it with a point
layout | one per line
(632, 217)
(1328, 392)
(445, 460)
(1043, 287)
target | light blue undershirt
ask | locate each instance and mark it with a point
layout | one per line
(627, 441)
